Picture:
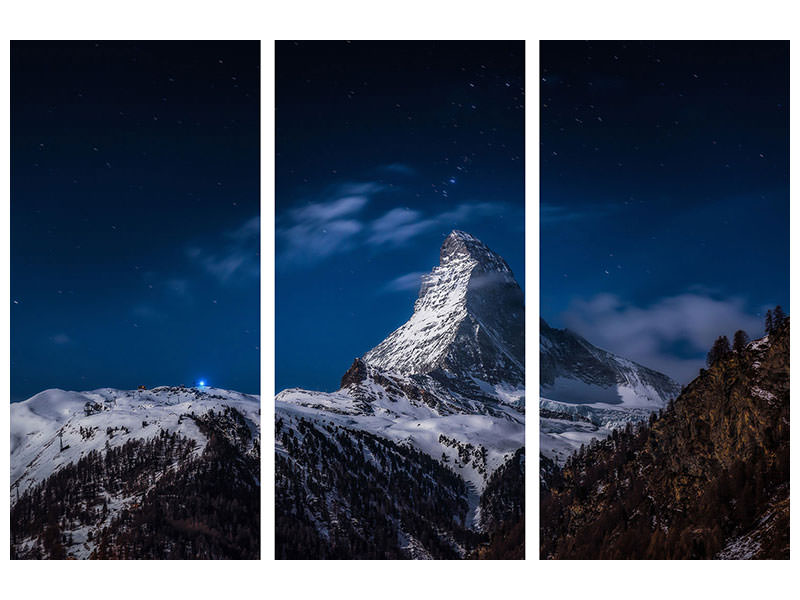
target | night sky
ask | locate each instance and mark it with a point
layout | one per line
(382, 149)
(134, 215)
(664, 193)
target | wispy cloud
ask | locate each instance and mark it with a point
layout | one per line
(179, 287)
(147, 312)
(319, 229)
(342, 223)
(322, 212)
(649, 335)
(550, 214)
(404, 283)
(236, 257)
(400, 169)
(61, 339)
(398, 226)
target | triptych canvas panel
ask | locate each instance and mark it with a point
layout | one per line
(400, 293)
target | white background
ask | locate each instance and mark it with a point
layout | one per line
(407, 19)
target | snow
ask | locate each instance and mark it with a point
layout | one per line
(592, 393)
(419, 426)
(560, 438)
(419, 345)
(580, 424)
(763, 394)
(36, 447)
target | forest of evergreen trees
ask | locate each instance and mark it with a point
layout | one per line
(180, 503)
(349, 494)
(502, 507)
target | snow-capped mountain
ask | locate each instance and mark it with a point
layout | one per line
(468, 320)
(56, 434)
(449, 383)
(586, 392)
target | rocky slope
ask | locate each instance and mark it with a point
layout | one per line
(708, 478)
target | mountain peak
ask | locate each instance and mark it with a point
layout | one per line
(468, 319)
(460, 246)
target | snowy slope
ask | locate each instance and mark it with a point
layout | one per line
(56, 427)
(402, 421)
(587, 392)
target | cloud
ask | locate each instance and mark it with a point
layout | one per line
(61, 339)
(400, 225)
(400, 169)
(650, 335)
(235, 259)
(306, 243)
(316, 231)
(465, 212)
(409, 281)
(144, 311)
(180, 287)
(322, 212)
(249, 230)
(550, 214)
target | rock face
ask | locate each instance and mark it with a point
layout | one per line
(707, 479)
(447, 385)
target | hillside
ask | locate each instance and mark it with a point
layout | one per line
(707, 478)
(171, 472)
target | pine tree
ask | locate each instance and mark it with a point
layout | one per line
(768, 323)
(719, 350)
(778, 317)
(740, 340)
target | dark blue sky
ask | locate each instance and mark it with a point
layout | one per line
(134, 215)
(664, 193)
(382, 149)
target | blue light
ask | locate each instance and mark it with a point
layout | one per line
(202, 382)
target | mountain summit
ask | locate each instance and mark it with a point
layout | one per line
(468, 321)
